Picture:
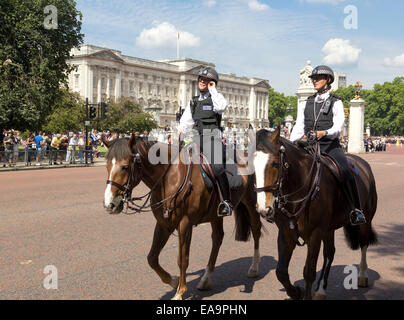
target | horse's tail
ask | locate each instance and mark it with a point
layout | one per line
(355, 238)
(243, 223)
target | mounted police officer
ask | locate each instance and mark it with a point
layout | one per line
(204, 114)
(322, 117)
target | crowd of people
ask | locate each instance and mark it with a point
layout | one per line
(59, 148)
(44, 147)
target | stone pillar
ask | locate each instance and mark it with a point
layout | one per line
(108, 86)
(252, 107)
(356, 125)
(118, 89)
(99, 89)
(90, 84)
(183, 92)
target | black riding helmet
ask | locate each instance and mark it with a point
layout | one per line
(323, 70)
(209, 73)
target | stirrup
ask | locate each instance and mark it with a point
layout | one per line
(357, 217)
(224, 209)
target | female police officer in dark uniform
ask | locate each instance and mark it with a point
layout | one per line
(204, 114)
(324, 113)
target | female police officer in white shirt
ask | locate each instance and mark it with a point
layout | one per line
(204, 114)
(323, 115)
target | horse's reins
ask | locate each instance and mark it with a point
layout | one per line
(129, 186)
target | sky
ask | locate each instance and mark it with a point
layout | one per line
(266, 39)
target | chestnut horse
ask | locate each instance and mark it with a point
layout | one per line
(179, 200)
(305, 200)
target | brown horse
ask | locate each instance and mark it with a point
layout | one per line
(179, 200)
(305, 200)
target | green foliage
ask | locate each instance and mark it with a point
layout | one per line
(127, 116)
(385, 106)
(385, 109)
(33, 59)
(68, 114)
(277, 105)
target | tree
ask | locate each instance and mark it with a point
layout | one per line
(68, 114)
(385, 109)
(127, 116)
(277, 104)
(33, 59)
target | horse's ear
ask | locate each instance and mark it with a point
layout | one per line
(252, 136)
(132, 141)
(106, 142)
(276, 135)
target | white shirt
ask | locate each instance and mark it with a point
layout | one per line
(219, 106)
(338, 118)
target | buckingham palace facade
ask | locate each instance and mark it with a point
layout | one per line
(104, 74)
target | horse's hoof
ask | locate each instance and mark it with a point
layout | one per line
(319, 296)
(174, 282)
(252, 273)
(177, 297)
(204, 285)
(299, 294)
(363, 282)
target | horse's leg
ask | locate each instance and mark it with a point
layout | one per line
(286, 245)
(256, 232)
(328, 252)
(184, 237)
(217, 238)
(160, 239)
(367, 237)
(313, 249)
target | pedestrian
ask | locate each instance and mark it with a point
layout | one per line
(204, 114)
(71, 150)
(322, 118)
(8, 143)
(29, 147)
(64, 144)
(55, 144)
(39, 145)
(81, 144)
(17, 142)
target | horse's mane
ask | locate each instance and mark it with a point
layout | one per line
(120, 150)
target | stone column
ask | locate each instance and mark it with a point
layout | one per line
(183, 92)
(90, 84)
(108, 86)
(99, 89)
(356, 125)
(118, 89)
(252, 107)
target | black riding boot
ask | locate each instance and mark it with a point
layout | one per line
(356, 216)
(225, 208)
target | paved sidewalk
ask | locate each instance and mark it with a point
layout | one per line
(45, 165)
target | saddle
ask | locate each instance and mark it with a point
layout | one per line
(330, 163)
(233, 175)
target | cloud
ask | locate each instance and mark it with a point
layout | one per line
(396, 62)
(340, 52)
(210, 3)
(165, 35)
(257, 6)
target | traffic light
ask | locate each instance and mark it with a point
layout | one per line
(93, 112)
(104, 110)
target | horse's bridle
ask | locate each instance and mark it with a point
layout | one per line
(136, 166)
(276, 189)
(132, 182)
